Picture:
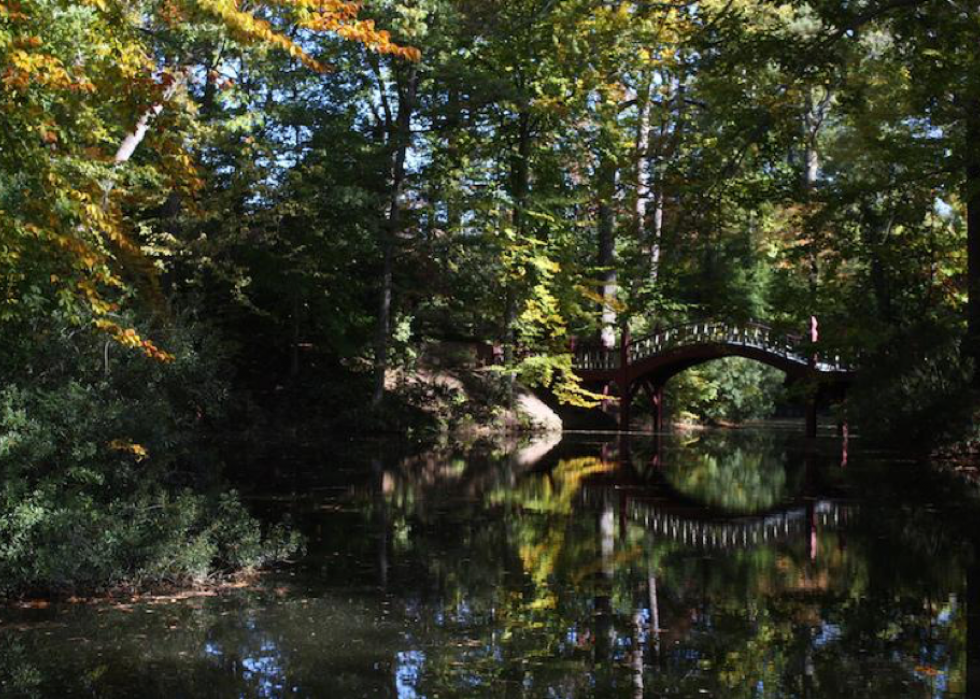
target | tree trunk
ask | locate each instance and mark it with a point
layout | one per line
(135, 137)
(643, 180)
(665, 148)
(656, 232)
(607, 250)
(399, 141)
(972, 197)
(811, 164)
(132, 140)
(973, 630)
(811, 169)
(813, 119)
(520, 185)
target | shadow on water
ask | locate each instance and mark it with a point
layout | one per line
(726, 564)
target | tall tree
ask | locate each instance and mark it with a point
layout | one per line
(82, 87)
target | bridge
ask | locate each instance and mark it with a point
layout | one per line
(647, 363)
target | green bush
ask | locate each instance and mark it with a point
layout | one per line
(914, 389)
(732, 389)
(104, 480)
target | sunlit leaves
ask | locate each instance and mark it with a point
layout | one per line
(76, 78)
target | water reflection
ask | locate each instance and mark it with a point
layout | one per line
(727, 565)
(745, 473)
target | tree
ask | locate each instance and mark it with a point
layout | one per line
(82, 85)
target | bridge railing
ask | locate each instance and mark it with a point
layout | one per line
(597, 358)
(755, 335)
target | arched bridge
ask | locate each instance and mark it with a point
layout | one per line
(650, 361)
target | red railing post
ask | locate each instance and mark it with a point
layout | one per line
(813, 404)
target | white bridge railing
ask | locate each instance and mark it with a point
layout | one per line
(754, 335)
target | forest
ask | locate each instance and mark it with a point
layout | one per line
(225, 222)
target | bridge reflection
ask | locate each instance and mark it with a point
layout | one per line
(743, 491)
(638, 559)
(736, 496)
(691, 527)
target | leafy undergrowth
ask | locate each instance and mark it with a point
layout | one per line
(424, 403)
(472, 402)
(107, 481)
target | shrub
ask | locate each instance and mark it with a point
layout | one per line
(733, 389)
(104, 479)
(914, 389)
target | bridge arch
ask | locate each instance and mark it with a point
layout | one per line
(647, 363)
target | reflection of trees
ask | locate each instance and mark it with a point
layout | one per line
(539, 524)
(767, 617)
(501, 582)
(573, 612)
(749, 473)
(737, 482)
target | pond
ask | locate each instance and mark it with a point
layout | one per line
(719, 564)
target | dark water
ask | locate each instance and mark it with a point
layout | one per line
(739, 564)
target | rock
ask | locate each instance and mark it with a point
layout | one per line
(538, 416)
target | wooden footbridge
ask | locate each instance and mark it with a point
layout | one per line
(647, 363)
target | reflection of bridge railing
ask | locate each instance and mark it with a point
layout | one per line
(734, 532)
(739, 533)
(754, 335)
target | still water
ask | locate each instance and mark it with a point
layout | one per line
(720, 564)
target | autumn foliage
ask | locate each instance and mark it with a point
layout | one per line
(76, 81)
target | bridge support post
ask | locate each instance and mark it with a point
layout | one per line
(625, 413)
(656, 393)
(843, 429)
(811, 417)
(625, 385)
